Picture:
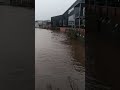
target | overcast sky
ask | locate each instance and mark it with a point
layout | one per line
(45, 9)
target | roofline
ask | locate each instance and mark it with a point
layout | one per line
(79, 1)
(57, 16)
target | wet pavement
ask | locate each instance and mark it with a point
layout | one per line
(59, 61)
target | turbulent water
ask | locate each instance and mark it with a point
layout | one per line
(59, 61)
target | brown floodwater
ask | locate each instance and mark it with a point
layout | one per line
(59, 61)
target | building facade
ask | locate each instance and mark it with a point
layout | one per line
(76, 14)
(57, 21)
(73, 17)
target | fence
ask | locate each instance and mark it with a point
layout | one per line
(113, 3)
(24, 3)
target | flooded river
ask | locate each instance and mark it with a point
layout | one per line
(59, 61)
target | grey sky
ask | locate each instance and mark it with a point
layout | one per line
(45, 9)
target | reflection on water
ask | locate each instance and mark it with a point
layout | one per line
(59, 62)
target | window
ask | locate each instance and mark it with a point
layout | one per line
(70, 10)
(83, 11)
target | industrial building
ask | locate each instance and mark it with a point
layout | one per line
(73, 17)
(57, 21)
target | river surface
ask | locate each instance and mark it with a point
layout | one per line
(59, 61)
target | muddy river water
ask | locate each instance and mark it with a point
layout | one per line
(59, 61)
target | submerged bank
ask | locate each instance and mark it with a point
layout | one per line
(73, 33)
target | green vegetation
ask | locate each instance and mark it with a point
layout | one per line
(72, 33)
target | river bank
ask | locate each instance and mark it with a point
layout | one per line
(73, 33)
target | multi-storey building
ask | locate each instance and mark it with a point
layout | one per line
(73, 17)
(57, 21)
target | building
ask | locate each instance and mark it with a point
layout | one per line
(38, 24)
(73, 17)
(57, 21)
(46, 24)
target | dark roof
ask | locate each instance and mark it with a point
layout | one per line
(74, 4)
